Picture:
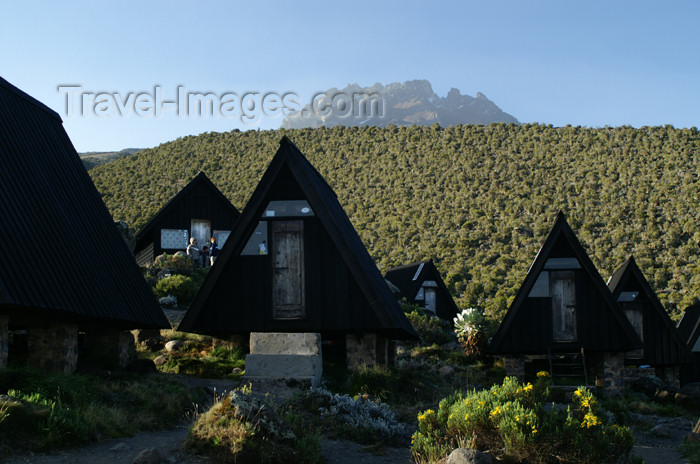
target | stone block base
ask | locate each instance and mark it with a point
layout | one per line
(54, 348)
(283, 366)
(279, 359)
(285, 343)
(613, 372)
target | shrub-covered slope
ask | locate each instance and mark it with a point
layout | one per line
(480, 199)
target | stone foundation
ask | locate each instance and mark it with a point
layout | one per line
(278, 359)
(515, 367)
(614, 372)
(368, 350)
(110, 349)
(54, 348)
(4, 341)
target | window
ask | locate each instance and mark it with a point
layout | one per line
(257, 244)
(541, 287)
(288, 208)
(174, 239)
(221, 236)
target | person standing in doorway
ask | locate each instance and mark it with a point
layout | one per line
(213, 250)
(193, 251)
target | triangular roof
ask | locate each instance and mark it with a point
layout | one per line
(629, 274)
(289, 161)
(409, 278)
(688, 326)
(62, 257)
(199, 180)
(561, 235)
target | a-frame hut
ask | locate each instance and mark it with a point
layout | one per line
(64, 268)
(199, 210)
(294, 263)
(421, 284)
(689, 330)
(664, 349)
(564, 318)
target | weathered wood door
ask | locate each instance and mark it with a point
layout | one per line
(287, 247)
(563, 292)
(201, 230)
(633, 311)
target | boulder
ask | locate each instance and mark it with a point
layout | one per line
(173, 345)
(147, 456)
(649, 385)
(446, 371)
(661, 430)
(119, 448)
(142, 366)
(468, 456)
(160, 360)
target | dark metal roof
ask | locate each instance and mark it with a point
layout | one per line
(199, 180)
(626, 340)
(409, 278)
(629, 275)
(324, 203)
(61, 256)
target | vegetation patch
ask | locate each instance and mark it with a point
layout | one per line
(40, 412)
(245, 428)
(513, 420)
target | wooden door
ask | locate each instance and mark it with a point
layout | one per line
(201, 230)
(287, 247)
(563, 293)
(430, 300)
(633, 311)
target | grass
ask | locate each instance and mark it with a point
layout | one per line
(41, 412)
(690, 450)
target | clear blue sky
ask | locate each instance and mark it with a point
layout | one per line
(588, 63)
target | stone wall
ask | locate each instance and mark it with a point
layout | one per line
(54, 348)
(515, 367)
(110, 350)
(4, 341)
(368, 349)
(614, 372)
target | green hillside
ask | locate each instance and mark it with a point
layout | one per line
(479, 199)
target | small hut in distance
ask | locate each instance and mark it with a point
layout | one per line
(565, 319)
(664, 349)
(295, 264)
(199, 210)
(421, 284)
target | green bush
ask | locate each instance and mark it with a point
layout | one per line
(512, 419)
(431, 329)
(180, 286)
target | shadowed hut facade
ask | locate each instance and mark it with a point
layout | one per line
(689, 330)
(199, 210)
(664, 349)
(421, 284)
(564, 318)
(64, 268)
(294, 263)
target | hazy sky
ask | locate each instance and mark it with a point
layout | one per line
(588, 63)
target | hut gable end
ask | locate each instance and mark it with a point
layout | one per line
(663, 344)
(294, 263)
(563, 305)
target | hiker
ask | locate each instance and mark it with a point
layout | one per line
(204, 257)
(213, 251)
(193, 251)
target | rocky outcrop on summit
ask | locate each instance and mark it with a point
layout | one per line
(412, 102)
